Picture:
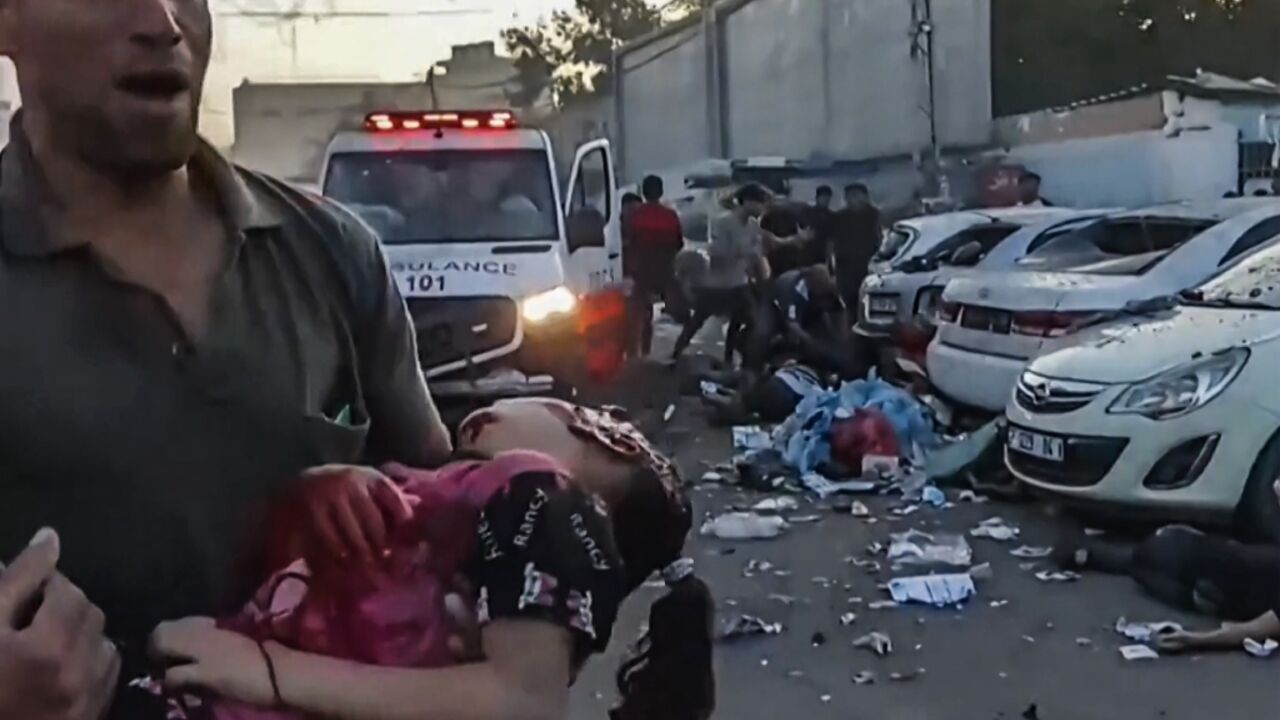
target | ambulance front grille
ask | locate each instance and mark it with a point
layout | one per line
(451, 329)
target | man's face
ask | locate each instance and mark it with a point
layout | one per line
(824, 200)
(855, 199)
(117, 82)
(1029, 188)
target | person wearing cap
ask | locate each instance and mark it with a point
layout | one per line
(804, 315)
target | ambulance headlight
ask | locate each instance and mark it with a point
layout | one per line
(558, 301)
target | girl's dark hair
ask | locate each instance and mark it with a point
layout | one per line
(669, 675)
(751, 192)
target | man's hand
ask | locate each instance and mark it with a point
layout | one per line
(352, 510)
(55, 663)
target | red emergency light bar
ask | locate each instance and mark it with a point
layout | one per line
(440, 120)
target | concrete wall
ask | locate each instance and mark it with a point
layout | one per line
(805, 79)
(662, 87)
(837, 78)
(1135, 114)
(1136, 169)
(579, 123)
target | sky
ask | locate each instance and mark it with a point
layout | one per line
(398, 47)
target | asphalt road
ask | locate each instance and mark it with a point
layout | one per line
(1051, 645)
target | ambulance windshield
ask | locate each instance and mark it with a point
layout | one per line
(448, 196)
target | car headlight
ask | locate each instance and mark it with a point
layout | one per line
(1182, 389)
(557, 301)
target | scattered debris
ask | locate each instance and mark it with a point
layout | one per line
(933, 496)
(787, 600)
(982, 572)
(936, 590)
(999, 603)
(1260, 649)
(750, 437)
(875, 548)
(914, 547)
(1031, 713)
(776, 505)
(669, 413)
(1058, 576)
(866, 677)
(877, 642)
(951, 461)
(1084, 641)
(906, 675)
(883, 465)
(883, 605)
(1094, 532)
(744, 526)
(1145, 632)
(859, 509)
(757, 567)
(804, 519)
(969, 496)
(1030, 551)
(820, 485)
(997, 529)
(905, 510)
(818, 639)
(825, 698)
(848, 619)
(1138, 652)
(746, 626)
(1029, 639)
(711, 476)
(871, 566)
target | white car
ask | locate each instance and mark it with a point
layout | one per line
(991, 324)
(1179, 413)
(912, 287)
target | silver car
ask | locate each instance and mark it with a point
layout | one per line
(941, 247)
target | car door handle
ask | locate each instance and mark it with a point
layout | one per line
(615, 256)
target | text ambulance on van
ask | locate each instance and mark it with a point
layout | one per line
(513, 289)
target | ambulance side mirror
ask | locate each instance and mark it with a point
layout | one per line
(584, 227)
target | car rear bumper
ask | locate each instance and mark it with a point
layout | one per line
(974, 379)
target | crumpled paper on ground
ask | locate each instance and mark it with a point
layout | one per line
(936, 590)
(920, 548)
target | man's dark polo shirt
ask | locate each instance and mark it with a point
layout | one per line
(153, 455)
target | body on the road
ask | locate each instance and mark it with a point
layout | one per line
(185, 339)
(803, 314)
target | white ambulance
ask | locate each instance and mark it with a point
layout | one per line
(514, 288)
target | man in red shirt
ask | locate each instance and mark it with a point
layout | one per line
(653, 238)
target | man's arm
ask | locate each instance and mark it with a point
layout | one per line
(405, 425)
(1230, 636)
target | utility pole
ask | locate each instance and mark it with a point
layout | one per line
(922, 35)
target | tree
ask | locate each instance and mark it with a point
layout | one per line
(1047, 54)
(572, 50)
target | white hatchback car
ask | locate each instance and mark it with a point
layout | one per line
(991, 324)
(1179, 413)
(911, 287)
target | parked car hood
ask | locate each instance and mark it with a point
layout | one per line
(1043, 291)
(1133, 350)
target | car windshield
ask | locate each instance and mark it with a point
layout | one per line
(448, 196)
(895, 241)
(1253, 282)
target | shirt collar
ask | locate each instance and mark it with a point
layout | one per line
(24, 196)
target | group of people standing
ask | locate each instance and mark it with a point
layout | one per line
(785, 276)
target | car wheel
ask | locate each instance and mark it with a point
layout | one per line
(1259, 511)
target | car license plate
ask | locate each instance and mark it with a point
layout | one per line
(1037, 445)
(887, 305)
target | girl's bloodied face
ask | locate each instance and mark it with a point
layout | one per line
(545, 426)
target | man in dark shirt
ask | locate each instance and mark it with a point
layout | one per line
(184, 339)
(786, 237)
(855, 237)
(805, 316)
(654, 237)
(818, 219)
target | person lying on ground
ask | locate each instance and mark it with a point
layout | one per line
(552, 542)
(1188, 569)
(771, 399)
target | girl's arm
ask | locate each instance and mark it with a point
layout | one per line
(526, 676)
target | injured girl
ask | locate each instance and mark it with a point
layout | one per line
(557, 514)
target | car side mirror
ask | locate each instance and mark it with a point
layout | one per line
(584, 227)
(967, 255)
